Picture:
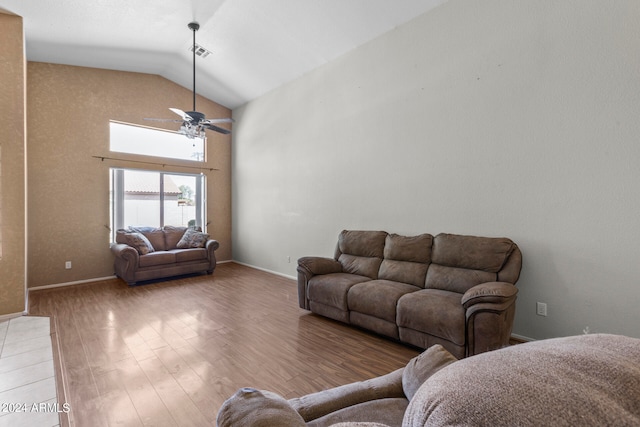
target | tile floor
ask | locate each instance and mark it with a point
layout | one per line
(27, 376)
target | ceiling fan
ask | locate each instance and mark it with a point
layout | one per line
(194, 123)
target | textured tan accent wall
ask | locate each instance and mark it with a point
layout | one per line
(69, 109)
(12, 169)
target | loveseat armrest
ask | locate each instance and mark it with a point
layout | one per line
(126, 252)
(125, 262)
(211, 247)
(309, 267)
(490, 309)
(316, 405)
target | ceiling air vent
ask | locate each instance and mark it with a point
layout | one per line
(200, 51)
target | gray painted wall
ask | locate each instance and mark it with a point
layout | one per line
(493, 118)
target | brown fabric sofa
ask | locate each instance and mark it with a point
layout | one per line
(586, 380)
(162, 252)
(453, 290)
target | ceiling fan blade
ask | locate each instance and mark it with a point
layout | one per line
(217, 129)
(164, 120)
(182, 114)
(208, 121)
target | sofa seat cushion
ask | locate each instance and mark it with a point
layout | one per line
(378, 298)
(332, 289)
(186, 255)
(434, 312)
(388, 412)
(157, 258)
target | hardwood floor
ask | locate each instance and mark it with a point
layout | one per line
(170, 353)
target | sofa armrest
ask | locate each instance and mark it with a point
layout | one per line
(125, 262)
(211, 247)
(490, 309)
(309, 267)
(125, 252)
(257, 408)
(489, 292)
(312, 266)
(316, 405)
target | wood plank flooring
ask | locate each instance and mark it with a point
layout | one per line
(169, 353)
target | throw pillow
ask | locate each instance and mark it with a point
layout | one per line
(139, 242)
(421, 367)
(254, 408)
(193, 239)
(153, 234)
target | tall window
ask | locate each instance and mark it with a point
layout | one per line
(132, 139)
(155, 199)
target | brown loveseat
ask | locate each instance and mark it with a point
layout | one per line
(453, 290)
(146, 253)
(586, 380)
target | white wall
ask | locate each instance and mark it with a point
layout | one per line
(493, 118)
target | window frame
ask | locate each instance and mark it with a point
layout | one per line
(150, 149)
(117, 197)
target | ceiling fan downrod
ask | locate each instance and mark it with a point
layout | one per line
(194, 26)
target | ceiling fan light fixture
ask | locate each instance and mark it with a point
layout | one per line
(191, 131)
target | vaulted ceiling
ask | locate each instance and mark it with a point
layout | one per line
(255, 45)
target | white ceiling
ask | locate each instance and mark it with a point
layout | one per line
(257, 45)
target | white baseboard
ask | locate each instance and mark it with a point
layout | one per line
(77, 282)
(10, 316)
(522, 338)
(266, 270)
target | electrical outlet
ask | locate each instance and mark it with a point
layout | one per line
(541, 308)
(289, 259)
(67, 265)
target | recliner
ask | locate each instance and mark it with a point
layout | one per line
(453, 290)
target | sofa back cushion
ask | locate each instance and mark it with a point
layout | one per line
(461, 262)
(153, 234)
(406, 259)
(172, 236)
(361, 252)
